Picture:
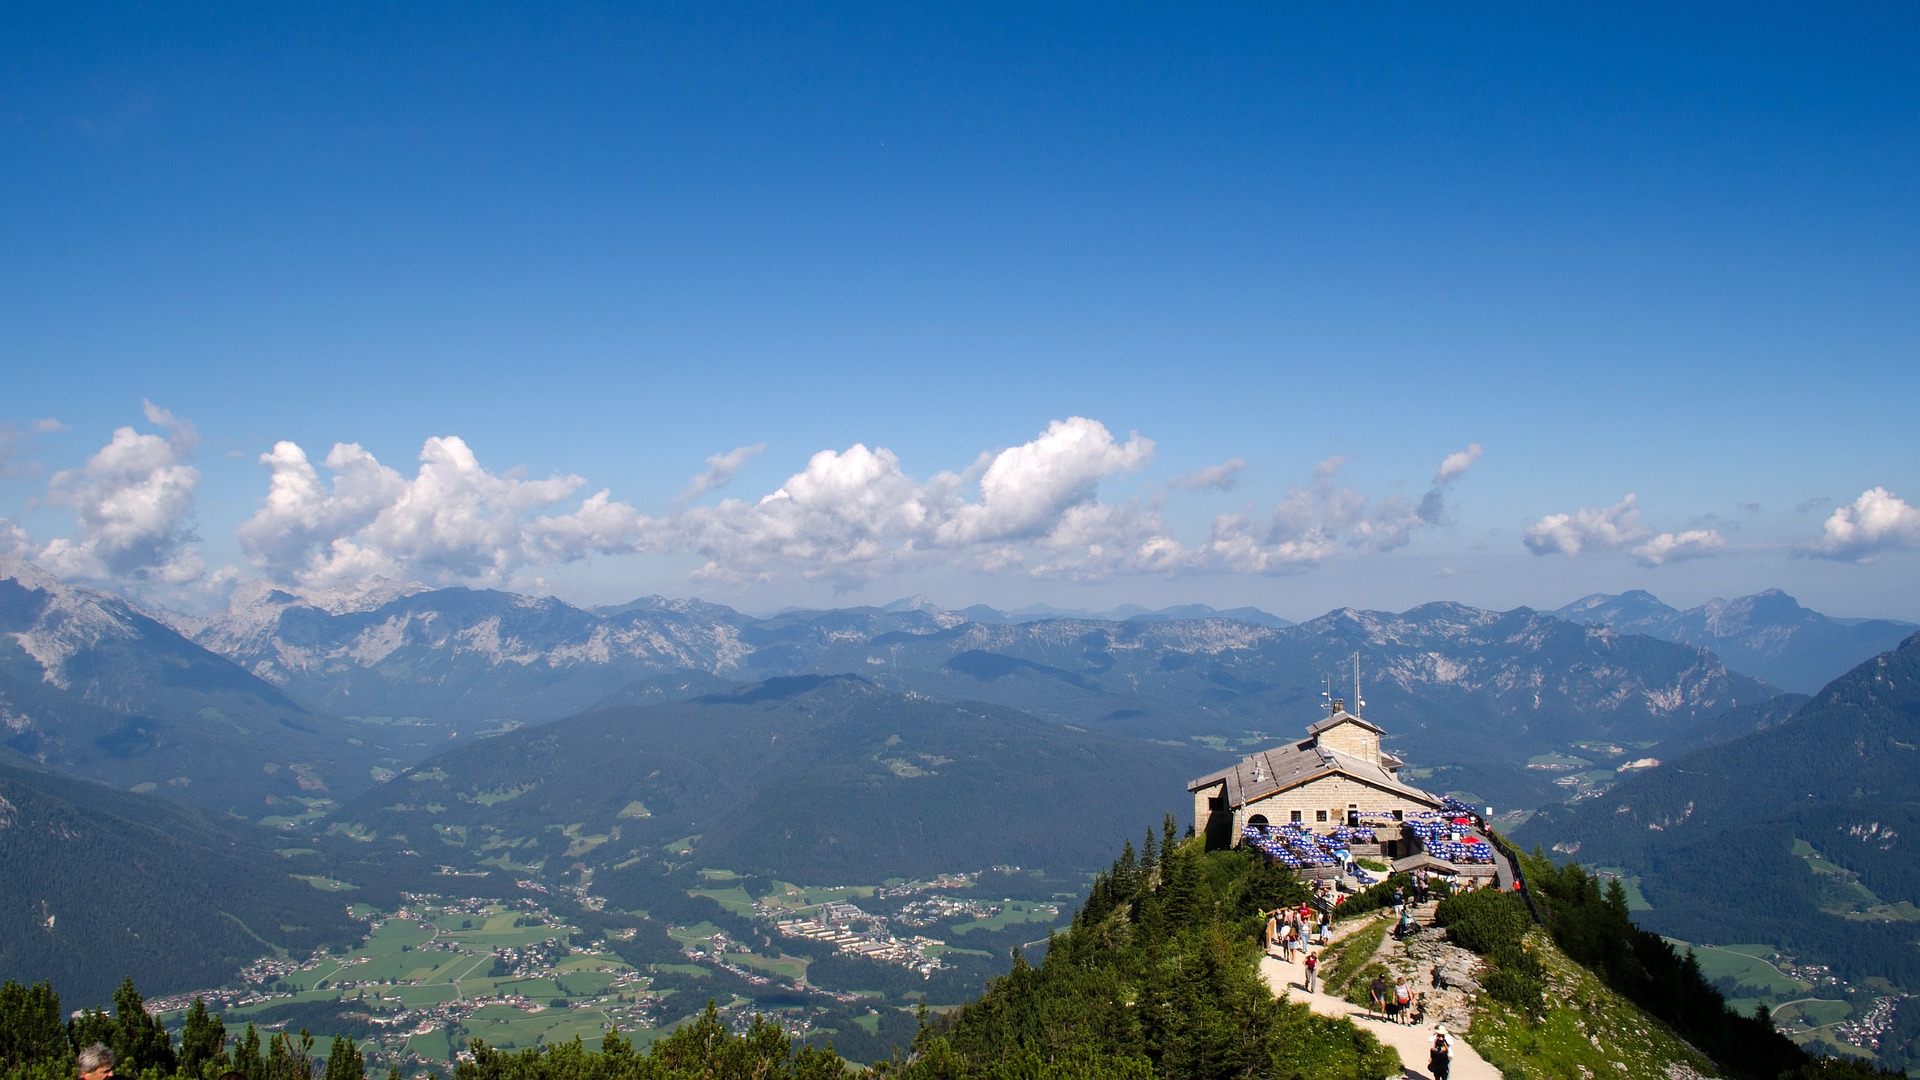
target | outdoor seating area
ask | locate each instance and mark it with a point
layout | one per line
(1292, 846)
(1446, 835)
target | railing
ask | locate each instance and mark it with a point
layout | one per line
(1513, 860)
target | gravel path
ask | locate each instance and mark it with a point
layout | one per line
(1287, 980)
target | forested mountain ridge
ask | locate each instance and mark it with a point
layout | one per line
(1767, 635)
(1801, 835)
(810, 778)
(94, 686)
(100, 884)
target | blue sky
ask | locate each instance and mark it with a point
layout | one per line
(1306, 255)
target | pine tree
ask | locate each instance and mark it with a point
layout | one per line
(203, 1038)
(139, 1041)
(246, 1058)
(290, 1057)
(1126, 872)
(344, 1061)
(30, 1027)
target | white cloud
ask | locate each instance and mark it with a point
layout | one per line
(1026, 489)
(453, 521)
(1877, 521)
(47, 425)
(1601, 528)
(1454, 465)
(847, 517)
(1678, 547)
(721, 469)
(133, 506)
(854, 514)
(1219, 477)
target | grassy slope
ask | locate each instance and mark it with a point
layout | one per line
(1588, 1030)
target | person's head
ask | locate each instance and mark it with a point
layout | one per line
(94, 1063)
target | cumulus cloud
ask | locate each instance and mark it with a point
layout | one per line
(452, 521)
(1219, 477)
(853, 514)
(14, 540)
(1876, 522)
(1600, 528)
(47, 425)
(133, 506)
(847, 517)
(721, 469)
(1678, 547)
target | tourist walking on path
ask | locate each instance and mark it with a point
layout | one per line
(1440, 1055)
(1414, 1044)
(1377, 991)
(1403, 1000)
(1313, 968)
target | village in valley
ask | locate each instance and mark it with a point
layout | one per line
(442, 971)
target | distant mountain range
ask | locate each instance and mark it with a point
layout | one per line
(91, 685)
(981, 613)
(1767, 635)
(1467, 690)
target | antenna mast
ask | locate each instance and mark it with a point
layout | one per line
(1358, 704)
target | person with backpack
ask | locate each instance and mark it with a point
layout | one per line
(1440, 1054)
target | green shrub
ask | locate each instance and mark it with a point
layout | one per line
(1523, 992)
(1485, 921)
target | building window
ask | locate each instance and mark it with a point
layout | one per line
(1319, 815)
(1399, 815)
(1296, 817)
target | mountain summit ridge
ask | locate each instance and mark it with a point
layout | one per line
(1767, 634)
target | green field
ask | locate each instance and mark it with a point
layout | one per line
(1749, 968)
(734, 899)
(445, 954)
(1010, 913)
(1630, 883)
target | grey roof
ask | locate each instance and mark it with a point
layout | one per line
(1344, 717)
(1270, 772)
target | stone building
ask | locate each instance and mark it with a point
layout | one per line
(1337, 775)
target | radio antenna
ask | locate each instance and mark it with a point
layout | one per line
(1358, 702)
